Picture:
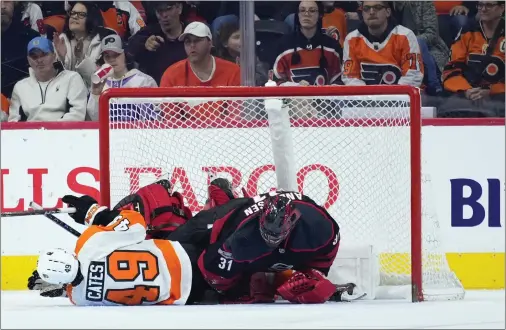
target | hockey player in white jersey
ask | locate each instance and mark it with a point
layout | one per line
(114, 264)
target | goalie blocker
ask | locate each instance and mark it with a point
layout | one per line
(278, 232)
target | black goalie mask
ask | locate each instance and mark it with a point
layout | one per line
(277, 219)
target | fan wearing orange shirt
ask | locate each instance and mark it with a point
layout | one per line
(201, 69)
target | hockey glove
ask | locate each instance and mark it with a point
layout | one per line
(87, 208)
(162, 210)
(220, 192)
(46, 289)
(308, 287)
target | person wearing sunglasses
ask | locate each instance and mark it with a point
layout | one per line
(475, 73)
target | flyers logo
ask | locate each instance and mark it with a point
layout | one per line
(313, 75)
(380, 74)
(493, 72)
(108, 40)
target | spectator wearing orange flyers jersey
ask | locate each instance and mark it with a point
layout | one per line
(201, 69)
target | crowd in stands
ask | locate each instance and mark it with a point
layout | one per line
(454, 51)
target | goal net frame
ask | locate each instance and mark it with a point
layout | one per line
(283, 93)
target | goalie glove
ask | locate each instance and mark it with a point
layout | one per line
(307, 287)
(46, 289)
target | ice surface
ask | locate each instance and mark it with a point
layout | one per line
(480, 310)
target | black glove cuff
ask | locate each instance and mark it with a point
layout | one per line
(105, 217)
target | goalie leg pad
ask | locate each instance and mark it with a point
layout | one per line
(308, 287)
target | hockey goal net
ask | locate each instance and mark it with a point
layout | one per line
(357, 151)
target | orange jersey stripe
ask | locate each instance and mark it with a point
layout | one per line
(133, 217)
(174, 266)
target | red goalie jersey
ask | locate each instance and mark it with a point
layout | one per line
(121, 267)
(392, 60)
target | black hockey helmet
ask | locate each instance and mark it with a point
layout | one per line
(277, 219)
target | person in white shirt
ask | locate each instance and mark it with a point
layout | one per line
(78, 47)
(50, 93)
(124, 75)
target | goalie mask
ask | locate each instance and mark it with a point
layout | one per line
(277, 219)
(162, 211)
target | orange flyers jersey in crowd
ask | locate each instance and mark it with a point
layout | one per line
(470, 65)
(125, 23)
(308, 68)
(337, 19)
(394, 61)
(180, 74)
(121, 267)
(5, 104)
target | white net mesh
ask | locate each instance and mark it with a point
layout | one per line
(350, 154)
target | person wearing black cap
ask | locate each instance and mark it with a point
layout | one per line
(308, 56)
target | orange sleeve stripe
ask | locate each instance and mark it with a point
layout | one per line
(68, 289)
(132, 216)
(174, 265)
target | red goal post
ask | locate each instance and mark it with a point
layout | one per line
(163, 96)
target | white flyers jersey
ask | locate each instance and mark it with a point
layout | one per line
(121, 267)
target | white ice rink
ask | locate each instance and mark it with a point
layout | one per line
(480, 310)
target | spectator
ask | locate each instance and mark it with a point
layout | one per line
(15, 37)
(4, 114)
(125, 75)
(122, 17)
(308, 56)
(50, 93)
(140, 8)
(333, 23)
(228, 48)
(55, 14)
(381, 51)
(156, 47)
(32, 17)
(420, 17)
(452, 16)
(475, 73)
(228, 12)
(200, 68)
(78, 47)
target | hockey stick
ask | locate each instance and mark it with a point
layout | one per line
(38, 212)
(51, 217)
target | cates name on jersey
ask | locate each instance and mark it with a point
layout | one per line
(95, 281)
